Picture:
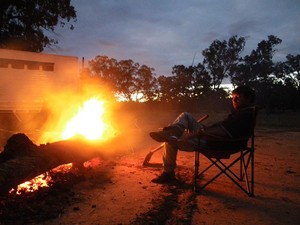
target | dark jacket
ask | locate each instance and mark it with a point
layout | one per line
(239, 123)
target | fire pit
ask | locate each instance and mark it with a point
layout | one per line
(43, 204)
(84, 136)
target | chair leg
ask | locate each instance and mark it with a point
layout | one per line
(252, 173)
(196, 170)
(241, 169)
(246, 165)
(246, 160)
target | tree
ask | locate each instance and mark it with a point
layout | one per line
(190, 82)
(166, 92)
(125, 78)
(105, 69)
(288, 72)
(221, 58)
(258, 66)
(146, 83)
(202, 81)
(183, 81)
(23, 22)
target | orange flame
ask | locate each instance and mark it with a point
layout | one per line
(89, 122)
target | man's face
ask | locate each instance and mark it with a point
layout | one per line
(239, 101)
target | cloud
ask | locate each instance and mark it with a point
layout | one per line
(164, 33)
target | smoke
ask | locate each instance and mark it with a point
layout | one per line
(57, 100)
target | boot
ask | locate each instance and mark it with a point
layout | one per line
(168, 134)
(165, 177)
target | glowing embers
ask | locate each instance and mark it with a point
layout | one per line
(40, 181)
(33, 185)
(88, 122)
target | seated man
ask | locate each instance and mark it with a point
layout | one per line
(236, 125)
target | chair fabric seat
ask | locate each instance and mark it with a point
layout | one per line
(220, 147)
(215, 146)
(222, 144)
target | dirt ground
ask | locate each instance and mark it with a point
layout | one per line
(119, 189)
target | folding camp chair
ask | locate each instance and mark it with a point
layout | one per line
(224, 154)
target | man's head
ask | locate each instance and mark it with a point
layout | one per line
(242, 96)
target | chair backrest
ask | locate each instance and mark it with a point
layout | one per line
(253, 124)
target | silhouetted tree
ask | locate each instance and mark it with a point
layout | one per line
(146, 83)
(221, 58)
(125, 78)
(190, 82)
(106, 70)
(288, 72)
(202, 81)
(23, 22)
(257, 67)
(182, 82)
(276, 84)
(167, 91)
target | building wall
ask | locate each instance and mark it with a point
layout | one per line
(28, 79)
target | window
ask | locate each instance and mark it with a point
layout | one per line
(30, 65)
(4, 63)
(18, 64)
(48, 66)
(33, 65)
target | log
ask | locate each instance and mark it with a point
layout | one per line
(22, 160)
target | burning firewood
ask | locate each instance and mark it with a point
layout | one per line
(21, 160)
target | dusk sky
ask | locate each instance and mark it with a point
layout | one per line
(164, 33)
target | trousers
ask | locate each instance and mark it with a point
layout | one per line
(190, 124)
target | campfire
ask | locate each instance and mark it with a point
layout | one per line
(88, 123)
